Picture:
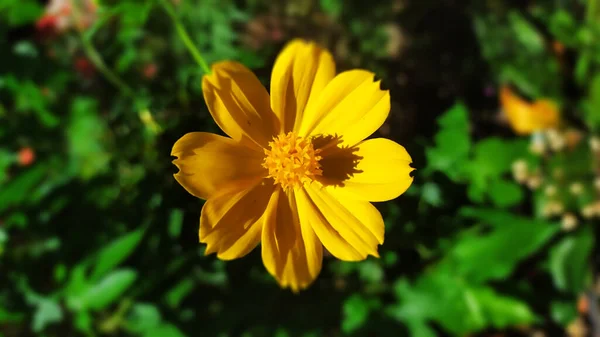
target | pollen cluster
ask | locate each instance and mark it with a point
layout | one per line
(292, 160)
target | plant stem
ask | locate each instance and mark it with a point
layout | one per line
(98, 62)
(185, 37)
(591, 11)
(143, 112)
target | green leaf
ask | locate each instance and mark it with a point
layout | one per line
(10, 317)
(505, 193)
(282, 333)
(143, 318)
(494, 156)
(592, 116)
(356, 311)
(459, 307)
(370, 271)
(25, 49)
(564, 27)
(492, 159)
(431, 194)
(528, 36)
(18, 190)
(20, 12)
(28, 97)
(452, 143)
(107, 291)
(569, 263)
(77, 282)
(86, 135)
(84, 322)
(116, 252)
(332, 7)
(495, 254)
(175, 223)
(500, 311)
(165, 330)
(562, 312)
(179, 292)
(47, 312)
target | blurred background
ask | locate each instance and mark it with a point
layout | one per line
(498, 102)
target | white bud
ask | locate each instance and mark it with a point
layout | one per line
(569, 222)
(519, 169)
(537, 148)
(558, 143)
(576, 188)
(550, 190)
(534, 182)
(537, 145)
(552, 208)
(588, 211)
(595, 144)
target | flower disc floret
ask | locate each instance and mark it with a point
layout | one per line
(292, 161)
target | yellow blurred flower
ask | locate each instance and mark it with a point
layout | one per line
(295, 172)
(525, 117)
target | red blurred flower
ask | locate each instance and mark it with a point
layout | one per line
(26, 156)
(582, 305)
(46, 25)
(60, 16)
(84, 67)
(150, 70)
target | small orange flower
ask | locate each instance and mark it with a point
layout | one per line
(558, 48)
(26, 156)
(150, 70)
(526, 118)
(296, 173)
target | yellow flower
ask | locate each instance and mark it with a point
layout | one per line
(295, 173)
(526, 118)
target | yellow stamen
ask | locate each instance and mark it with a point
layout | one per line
(292, 161)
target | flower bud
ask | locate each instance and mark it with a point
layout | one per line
(569, 222)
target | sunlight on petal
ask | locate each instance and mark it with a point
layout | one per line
(210, 163)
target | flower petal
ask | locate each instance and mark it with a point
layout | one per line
(351, 106)
(230, 223)
(239, 103)
(346, 234)
(382, 171)
(301, 71)
(526, 118)
(331, 239)
(210, 163)
(291, 251)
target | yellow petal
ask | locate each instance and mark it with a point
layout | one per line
(231, 225)
(210, 163)
(239, 104)
(331, 239)
(351, 106)
(291, 251)
(365, 212)
(354, 239)
(301, 71)
(381, 171)
(526, 118)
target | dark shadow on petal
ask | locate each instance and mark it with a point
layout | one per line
(338, 162)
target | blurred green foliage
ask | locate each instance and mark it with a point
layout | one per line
(97, 239)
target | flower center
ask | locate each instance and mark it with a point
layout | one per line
(292, 160)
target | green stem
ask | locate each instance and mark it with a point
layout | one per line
(591, 10)
(185, 37)
(98, 62)
(94, 56)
